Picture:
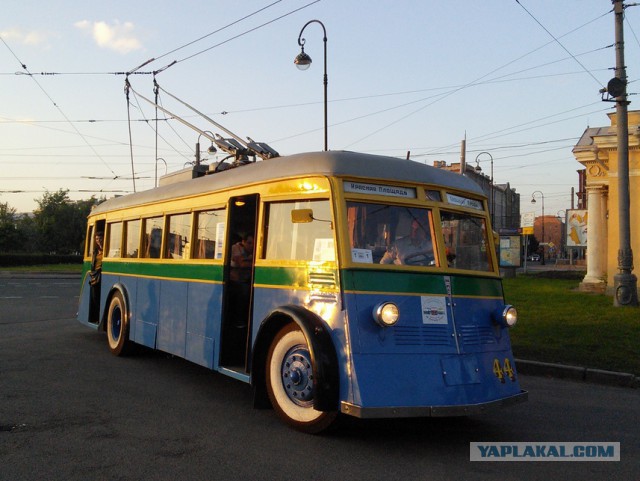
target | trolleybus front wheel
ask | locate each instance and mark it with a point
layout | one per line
(118, 326)
(289, 376)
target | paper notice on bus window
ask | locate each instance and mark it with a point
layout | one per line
(221, 227)
(363, 256)
(323, 250)
(434, 310)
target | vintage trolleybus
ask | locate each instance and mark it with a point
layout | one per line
(331, 282)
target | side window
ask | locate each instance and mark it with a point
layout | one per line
(132, 244)
(152, 240)
(179, 237)
(115, 239)
(465, 239)
(89, 241)
(309, 241)
(210, 234)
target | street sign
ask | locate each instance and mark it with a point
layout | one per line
(527, 219)
(527, 230)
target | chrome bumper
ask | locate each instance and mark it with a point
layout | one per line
(431, 411)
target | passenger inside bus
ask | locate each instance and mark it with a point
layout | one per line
(242, 259)
(95, 276)
(413, 249)
(240, 280)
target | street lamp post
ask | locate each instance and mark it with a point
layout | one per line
(533, 201)
(303, 62)
(563, 228)
(165, 168)
(492, 199)
(211, 149)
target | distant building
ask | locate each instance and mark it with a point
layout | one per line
(597, 151)
(503, 201)
(553, 236)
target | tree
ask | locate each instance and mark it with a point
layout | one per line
(9, 233)
(60, 222)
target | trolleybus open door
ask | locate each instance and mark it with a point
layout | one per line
(238, 283)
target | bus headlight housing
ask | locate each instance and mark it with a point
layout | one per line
(508, 317)
(386, 314)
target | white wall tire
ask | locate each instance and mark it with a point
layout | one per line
(118, 326)
(289, 376)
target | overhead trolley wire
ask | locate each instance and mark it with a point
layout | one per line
(24, 67)
(473, 82)
(557, 40)
(227, 40)
(218, 30)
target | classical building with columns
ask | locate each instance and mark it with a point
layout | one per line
(597, 151)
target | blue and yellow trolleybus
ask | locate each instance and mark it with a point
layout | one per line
(331, 282)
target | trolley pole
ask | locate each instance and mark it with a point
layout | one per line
(625, 282)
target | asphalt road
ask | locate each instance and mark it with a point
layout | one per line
(69, 410)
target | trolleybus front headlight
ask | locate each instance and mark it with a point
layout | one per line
(386, 314)
(508, 317)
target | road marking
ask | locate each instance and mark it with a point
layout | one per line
(11, 297)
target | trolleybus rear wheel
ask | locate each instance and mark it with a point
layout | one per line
(289, 375)
(118, 326)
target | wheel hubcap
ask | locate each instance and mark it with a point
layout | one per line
(116, 324)
(297, 376)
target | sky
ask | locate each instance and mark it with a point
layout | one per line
(520, 79)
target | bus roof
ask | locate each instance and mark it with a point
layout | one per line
(331, 163)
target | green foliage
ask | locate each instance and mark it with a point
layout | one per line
(60, 222)
(56, 227)
(559, 324)
(9, 235)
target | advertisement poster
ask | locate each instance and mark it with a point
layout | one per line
(577, 228)
(510, 251)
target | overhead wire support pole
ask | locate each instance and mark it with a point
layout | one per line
(127, 88)
(625, 282)
(155, 91)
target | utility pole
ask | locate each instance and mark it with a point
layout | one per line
(625, 282)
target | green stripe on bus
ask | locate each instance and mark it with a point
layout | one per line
(404, 282)
(354, 280)
(294, 276)
(169, 270)
(279, 276)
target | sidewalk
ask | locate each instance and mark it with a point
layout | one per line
(575, 373)
(39, 275)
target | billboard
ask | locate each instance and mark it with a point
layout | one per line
(510, 251)
(577, 228)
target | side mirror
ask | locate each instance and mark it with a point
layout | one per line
(301, 216)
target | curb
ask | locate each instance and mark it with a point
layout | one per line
(39, 275)
(575, 373)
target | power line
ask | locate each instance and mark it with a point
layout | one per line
(218, 30)
(473, 82)
(57, 107)
(560, 43)
(224, 41)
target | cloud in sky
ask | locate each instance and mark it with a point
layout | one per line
(117, 36)
(32, 37)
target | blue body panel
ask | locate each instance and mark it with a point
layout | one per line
(443, 356)
(444, 359)
(178, 317)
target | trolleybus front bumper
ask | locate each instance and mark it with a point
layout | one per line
(431, 411)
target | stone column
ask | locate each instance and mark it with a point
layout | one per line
(596, 278)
